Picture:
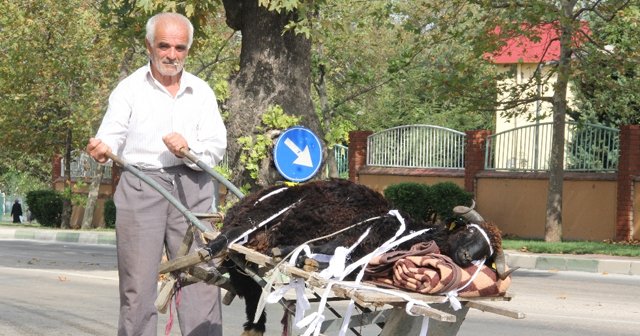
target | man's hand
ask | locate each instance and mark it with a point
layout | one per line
(98, 150)
(175, 142)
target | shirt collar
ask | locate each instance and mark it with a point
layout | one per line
(186, 83)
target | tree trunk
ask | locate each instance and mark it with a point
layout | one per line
(66, 201)
(274, 70)
(94, 187)
(92, 198)
(329, 164)
(553, 224)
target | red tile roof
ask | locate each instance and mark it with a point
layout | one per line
(521, 49)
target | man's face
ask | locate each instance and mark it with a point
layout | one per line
(169, 50)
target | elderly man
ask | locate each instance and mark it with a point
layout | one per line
(153, 114)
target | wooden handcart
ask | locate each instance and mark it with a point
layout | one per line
(390, 312)
(387, 311)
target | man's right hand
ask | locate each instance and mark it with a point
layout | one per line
(98, 150)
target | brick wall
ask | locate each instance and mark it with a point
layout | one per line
(357, 152)
(474, 157)
(628, 174)
(628, 170)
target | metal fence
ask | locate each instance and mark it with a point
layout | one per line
(416, 146)
(83, 166)
(341, 153)
(588, 147)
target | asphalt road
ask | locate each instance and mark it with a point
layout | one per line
(71, 289)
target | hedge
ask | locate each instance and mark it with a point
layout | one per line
(45, 206)
(422, 202)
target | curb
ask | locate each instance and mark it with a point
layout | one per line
(68, 236)
(580, 263)
(546, 262)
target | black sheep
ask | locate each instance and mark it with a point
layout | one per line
(320, 208)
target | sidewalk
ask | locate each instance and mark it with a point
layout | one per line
(68, 236)
(552, 262)
(604, 264)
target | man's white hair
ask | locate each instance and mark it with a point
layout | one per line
(153, 21)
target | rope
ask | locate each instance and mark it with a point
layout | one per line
(178, 296)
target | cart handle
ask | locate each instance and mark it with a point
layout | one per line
(186, 153)
(132, 169)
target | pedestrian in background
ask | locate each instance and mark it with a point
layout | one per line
(16, 212)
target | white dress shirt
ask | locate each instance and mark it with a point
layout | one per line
(141, 111)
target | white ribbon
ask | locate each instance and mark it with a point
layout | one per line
(411, 302)
(302, 303)
(338, 262)
(245, 235)
(277, 191)
(314, 321)
(296, 253)
(452, 295)
(386, 246)
(484, 234)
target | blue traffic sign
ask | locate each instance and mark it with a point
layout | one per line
(297, 154)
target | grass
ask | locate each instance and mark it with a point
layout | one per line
(624, 249)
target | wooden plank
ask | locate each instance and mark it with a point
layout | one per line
(187, 241)
(374, 297)
(350, 293)
(180, 263)
(442, 328)
(495, 310)
(165, 294)
(432, 313)
(214, 217)
(210, 235)
(253, 256)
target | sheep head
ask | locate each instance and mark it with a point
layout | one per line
(471, 246)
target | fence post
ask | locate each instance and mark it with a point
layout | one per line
(628, 169)
(474, 156)
(357, 152)
(56, 167)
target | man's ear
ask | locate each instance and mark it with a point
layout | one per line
(148, 45)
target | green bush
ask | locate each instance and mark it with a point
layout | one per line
(45, 206)
(422, 201)
(447, 195)
(412, 198)
(110, 213)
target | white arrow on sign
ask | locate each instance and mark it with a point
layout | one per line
(304, 157)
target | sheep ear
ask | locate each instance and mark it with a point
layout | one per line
(501, 266)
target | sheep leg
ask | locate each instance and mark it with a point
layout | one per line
(303, 261)
(250, 291)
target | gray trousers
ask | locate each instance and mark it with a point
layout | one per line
(145, 222)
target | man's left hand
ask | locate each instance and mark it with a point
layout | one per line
(175, 142)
